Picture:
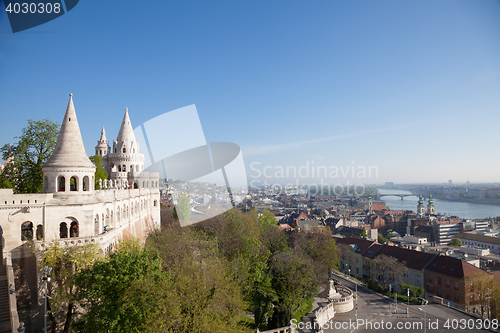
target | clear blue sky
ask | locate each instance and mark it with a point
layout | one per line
(410, 87)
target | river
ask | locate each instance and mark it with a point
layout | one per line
(460, 209)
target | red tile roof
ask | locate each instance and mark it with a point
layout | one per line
(361, 245)
(378, 207)
(411, 258)
(454, 267)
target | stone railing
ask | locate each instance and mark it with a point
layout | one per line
(345, 299)
(324, 315)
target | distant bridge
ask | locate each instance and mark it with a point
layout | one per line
(401, 195)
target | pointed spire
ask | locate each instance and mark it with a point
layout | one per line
(103, 135)
(69, 150)
(420, 200)
(126, 132)
(431, 202)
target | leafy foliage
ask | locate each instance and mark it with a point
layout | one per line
(100, 172)
(65, 262)
(106, 290)
(26, 157)
(455, 242)
(183, 207)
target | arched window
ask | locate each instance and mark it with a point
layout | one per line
(63, 230)
(115, 150)
(73, 184)
(124, 150)
(39, 232)
(86, 184)
(26, 231)
(124, 168)
(119, 168)
(135, 185)
(61, 184)
(100, 152)
(155, 203)
(96, 225)
(73, 230)
(131, 168)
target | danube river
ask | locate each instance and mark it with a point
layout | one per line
(460, 209)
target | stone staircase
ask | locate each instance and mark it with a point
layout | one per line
(4, 301)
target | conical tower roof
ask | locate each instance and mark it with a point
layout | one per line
(69, 151)
(102, 141)
(103, 134)
(126, 133)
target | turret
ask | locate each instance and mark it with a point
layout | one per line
(102, 148)
(69, 170)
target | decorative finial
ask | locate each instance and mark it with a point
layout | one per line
(70, 95)
(126, 109)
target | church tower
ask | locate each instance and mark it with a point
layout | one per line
(69, 170)
(430, 206)
(420, 205)
(370, 205)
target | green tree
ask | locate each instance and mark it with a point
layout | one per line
(209, 299)
(455, 242)
(27, 156)
(382, 239)
(294, 282)
(414, 290)
(106, 290)
(65, 262)
(363, 235)
(100, 172)
(183, 207)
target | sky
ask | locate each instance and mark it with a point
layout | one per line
(396, 91)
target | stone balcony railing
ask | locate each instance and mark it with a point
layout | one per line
(103, 240)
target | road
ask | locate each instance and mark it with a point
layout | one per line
(376, 313)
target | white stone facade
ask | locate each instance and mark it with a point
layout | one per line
(70, 209)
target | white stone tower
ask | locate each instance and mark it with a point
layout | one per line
(102, 149)
(126, 162)
(69, 170)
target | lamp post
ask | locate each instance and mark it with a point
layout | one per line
(46, 278)
(488, 289)
(425, 320)
(356, 302)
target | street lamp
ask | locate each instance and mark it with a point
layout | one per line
(46, 277)
(425, 320)
(488, 302)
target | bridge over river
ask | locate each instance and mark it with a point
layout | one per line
(401, 195)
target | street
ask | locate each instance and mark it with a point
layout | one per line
(377, 314)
